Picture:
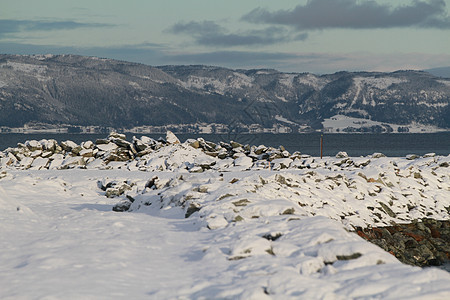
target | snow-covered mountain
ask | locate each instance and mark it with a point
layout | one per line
(91, 91)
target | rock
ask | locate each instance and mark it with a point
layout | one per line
(46, 154)
(205, 162)
(121, 143)
(227, 146)
(260, 150)
(171, 138)
(151, 183)
(235, 145)
(114, 189)
(281, 163)
(87, 145)
(216, 222)
(193, 207)
(26, 162)
(49, 145)
(115, 135)
(378, 155)
(211, 145)
(222, 154)
(196, 169)
(77, 150)
(420, 243)
(242, 202)
(429, 155)
(107, 147)
(139, 145)
(239, 154)
(213, 154)
(342, 154)
(40, 163)
(33, 145)
(122, 206)
(36, 153)
(243, 161)
(68, 145)
(195, 144)
(87, 153)
(71, 162)
(101, 141)
(412, 156)
(388, 210)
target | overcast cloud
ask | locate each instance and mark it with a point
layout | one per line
(353, 14)
(209, 33)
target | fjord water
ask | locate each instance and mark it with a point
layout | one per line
(354, 144)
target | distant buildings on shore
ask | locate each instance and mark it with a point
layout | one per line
(200, 128)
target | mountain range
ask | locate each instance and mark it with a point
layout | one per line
(90, 91)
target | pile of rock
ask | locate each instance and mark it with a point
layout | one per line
(147, 154)
(48, 154)
(424, 242)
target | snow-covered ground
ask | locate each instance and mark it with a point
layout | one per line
(339, 123)
(234, 231)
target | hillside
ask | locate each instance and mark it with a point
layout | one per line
(82, 91)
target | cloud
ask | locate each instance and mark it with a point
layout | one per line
(208, 33)
(8, 27)
(353, 14)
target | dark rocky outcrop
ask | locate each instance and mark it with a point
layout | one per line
(424, 242)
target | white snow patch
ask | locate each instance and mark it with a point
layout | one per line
(27, 68)
(436, 105)
(284, 120)
(339, 122)
(446, 82)
(377, 82)
(288, 80)
(237, 81)
(312, 80)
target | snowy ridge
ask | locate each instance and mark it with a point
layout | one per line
(288, 80)
(27, 68)
(97, 88)
(377, 82)
(235, 81)
(314, 81)
(207, 221)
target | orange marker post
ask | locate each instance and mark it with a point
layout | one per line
(321, 146)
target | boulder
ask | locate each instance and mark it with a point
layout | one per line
(68, 145)
(87, 145)
(243, 161)
(33, 145)
(342, 154)
(235, 144)
(412, 156)
(115, 135)
(378, 155)
(195, 144)
(171, 138)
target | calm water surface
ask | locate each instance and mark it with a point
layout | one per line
(353, 144)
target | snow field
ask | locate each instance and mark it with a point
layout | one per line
(249, 234)
(196, 226)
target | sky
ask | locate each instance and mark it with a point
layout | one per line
(317, 36)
